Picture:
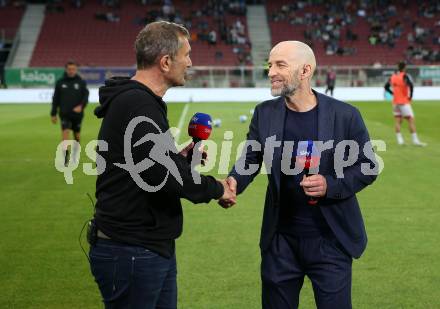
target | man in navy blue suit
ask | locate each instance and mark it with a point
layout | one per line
(300, 238)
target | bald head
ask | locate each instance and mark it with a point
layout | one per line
(296, 53)
(291, 67)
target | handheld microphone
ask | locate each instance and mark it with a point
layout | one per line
(199, 128)
(307, 165)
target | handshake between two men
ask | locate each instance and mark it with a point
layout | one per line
(229, 197)
(314, 186)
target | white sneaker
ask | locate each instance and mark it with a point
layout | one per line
(420, 144)
(400, 140)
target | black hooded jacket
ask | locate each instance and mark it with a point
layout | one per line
(124, 211)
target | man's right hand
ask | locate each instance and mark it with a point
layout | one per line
(229, 198)
(54, 119)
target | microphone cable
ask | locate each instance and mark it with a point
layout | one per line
(84, 225)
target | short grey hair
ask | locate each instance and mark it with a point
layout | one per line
(158, 39)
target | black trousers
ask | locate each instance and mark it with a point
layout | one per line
(289, 259)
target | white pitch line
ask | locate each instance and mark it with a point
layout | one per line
(180, 123)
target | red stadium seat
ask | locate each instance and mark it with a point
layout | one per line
(10, 18)
(365, 54)
(77, 34)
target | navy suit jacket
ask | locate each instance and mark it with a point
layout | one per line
(337, 121)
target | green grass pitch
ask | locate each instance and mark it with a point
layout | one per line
(42, 265)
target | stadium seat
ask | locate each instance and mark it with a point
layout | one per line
(77, 34)
(365, 53)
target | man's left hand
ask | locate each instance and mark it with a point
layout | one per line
(314, 185)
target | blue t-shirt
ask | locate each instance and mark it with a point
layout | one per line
(297, 217)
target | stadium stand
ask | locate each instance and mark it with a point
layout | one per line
(360, 32)
(10, 17)
(101, 33)
(11, 14)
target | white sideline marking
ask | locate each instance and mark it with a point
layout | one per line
(180, 123)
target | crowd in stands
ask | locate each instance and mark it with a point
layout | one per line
(387, 28)
(203, 29)
(58, 5)
(209, 22)
(14, 3)
(404, 26)
(421, 39)
(355, 29)
(325, 26)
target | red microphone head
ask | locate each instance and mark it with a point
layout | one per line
(200, 126)
(306, 156)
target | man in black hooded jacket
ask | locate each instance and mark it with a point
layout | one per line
(138, 210)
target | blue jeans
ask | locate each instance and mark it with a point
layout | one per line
(133, 277)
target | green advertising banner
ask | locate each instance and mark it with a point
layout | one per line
(32, 77)
(432, 73)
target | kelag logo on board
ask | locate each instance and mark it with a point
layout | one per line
(47, 77)
(35, 76)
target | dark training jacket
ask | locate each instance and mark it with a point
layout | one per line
(69, 92)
